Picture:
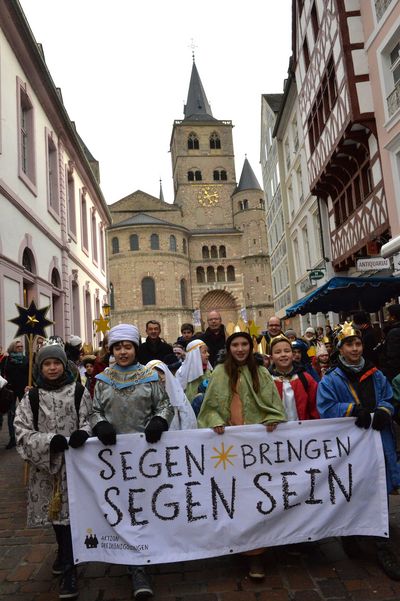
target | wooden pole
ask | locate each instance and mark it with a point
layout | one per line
(30, 373)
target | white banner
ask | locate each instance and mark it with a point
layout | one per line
(198, 494)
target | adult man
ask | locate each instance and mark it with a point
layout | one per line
(154, 347)
(214, 336)
(274, 328)
(391, 346)
(356, 388)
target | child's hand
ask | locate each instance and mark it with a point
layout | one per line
(219, 429)
(78, 438)
(58, 443)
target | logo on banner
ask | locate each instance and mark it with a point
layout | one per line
(91, 541)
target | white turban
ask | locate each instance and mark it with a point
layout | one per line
(123, 331)
(192, 367)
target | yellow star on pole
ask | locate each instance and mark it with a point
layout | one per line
(102, 324)
(254, 330)
(223, 456)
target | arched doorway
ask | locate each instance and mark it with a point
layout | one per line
(221, 301)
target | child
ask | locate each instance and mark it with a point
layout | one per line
(41, 429)
(128, 397)
(88, 362)
(195, 368)
(297, 389)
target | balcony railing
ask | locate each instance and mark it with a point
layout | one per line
(393, 100)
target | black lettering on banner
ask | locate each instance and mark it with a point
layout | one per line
(286, 493)
(316, 452)
(191, 458)
(112, 469)
(215, 490)
(247, 451)
(190, 503)
(311, 500)
(333, 477)
(114, 507)
(156, 465)
(125, 467)
(278, 459)
(169, 464)
(257, 484)
(174, 505)
(292, 449)
(328, 450)
(341, 447)
(134, 510)
(264, 448)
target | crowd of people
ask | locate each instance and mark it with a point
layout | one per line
(205, 380)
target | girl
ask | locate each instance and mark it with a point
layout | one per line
(195, 369)
(15, 368)
(297, 389)
(42, 429)
(241, 392)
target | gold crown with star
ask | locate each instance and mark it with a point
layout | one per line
(347, 330)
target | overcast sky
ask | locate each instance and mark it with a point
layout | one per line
(124, 69)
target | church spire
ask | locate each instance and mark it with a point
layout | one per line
(197, 107)
(248, 180)
(161, 191)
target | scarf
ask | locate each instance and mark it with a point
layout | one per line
(65, 378)
(354, 368)
(18, 358)
(122, 377)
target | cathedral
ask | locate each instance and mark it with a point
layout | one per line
(208, 249)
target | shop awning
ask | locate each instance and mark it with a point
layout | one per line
(348, 294)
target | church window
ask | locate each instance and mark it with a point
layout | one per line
(183, 292)
(112, 298)
(215, 142)
(222, 252)
(190, 176)
(148, 291)
(28, 262)
(200, 275)
(220, 274)
(220, 175)
(205, 253)
(210, 274)
(154, 242)
(134, 242)
(214, 252)
(115, 245)
(172, 243)
(197, 176)
(55, 278)
(262, 203)
(243, 204)
(230, 272)
(184, 246)
(193, 142)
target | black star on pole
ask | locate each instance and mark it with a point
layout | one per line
(31, 320)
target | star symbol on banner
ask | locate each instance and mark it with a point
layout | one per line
(254, 330)
(223, 456)
(102, 324)
(31, 320)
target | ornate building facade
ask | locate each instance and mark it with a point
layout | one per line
(208, 249)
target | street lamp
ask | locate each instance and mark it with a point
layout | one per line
(106, 309)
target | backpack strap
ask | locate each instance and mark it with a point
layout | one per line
(34, 402)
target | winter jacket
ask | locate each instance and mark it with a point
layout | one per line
(150, 350)
(305, 396)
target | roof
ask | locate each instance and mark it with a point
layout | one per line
(248, 180)
(274, 101)
(145, 219)
(197, 107)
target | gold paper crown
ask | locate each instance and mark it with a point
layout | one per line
(347, 330)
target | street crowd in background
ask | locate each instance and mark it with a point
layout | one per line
(202, 380)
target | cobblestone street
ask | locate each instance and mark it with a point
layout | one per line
(297, 573)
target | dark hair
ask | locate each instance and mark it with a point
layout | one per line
(231, 367)
(394, 311)
(154, 323)
(361, 317)
(187, 326)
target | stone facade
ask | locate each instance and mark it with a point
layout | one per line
(207, 250)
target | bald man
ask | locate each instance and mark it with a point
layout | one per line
(274, 328)
(214, 336)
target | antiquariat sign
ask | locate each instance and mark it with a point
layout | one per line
(375, 263)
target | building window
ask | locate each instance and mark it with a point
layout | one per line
(262, 203)
(94, 238)
(230, 273)
(53, 201)
(200, 275)
(26, 141)
(184, 246)
(172, 243)
(214, 252)
(134, 242)
(210, 274)
(55, 278)
(194, 176)
(306, 54)
(148, 291)
(391, 69)
(193, 142)
(205, 253)
(215, 142)
(112, 296)
(220, 274)
(222, 252)
(102, 247)
(244, 204)
(84, 217)
(296, 255)
(323, 105)
(154, 242)
(115, 245)
(306, 245)
(28, 261)
(71, 203)
(197, 176)
(220, 174)
(380, 7)
(183, 287)
(314, 21)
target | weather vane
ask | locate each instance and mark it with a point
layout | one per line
(192, 45)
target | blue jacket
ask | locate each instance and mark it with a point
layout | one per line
(334, 399)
